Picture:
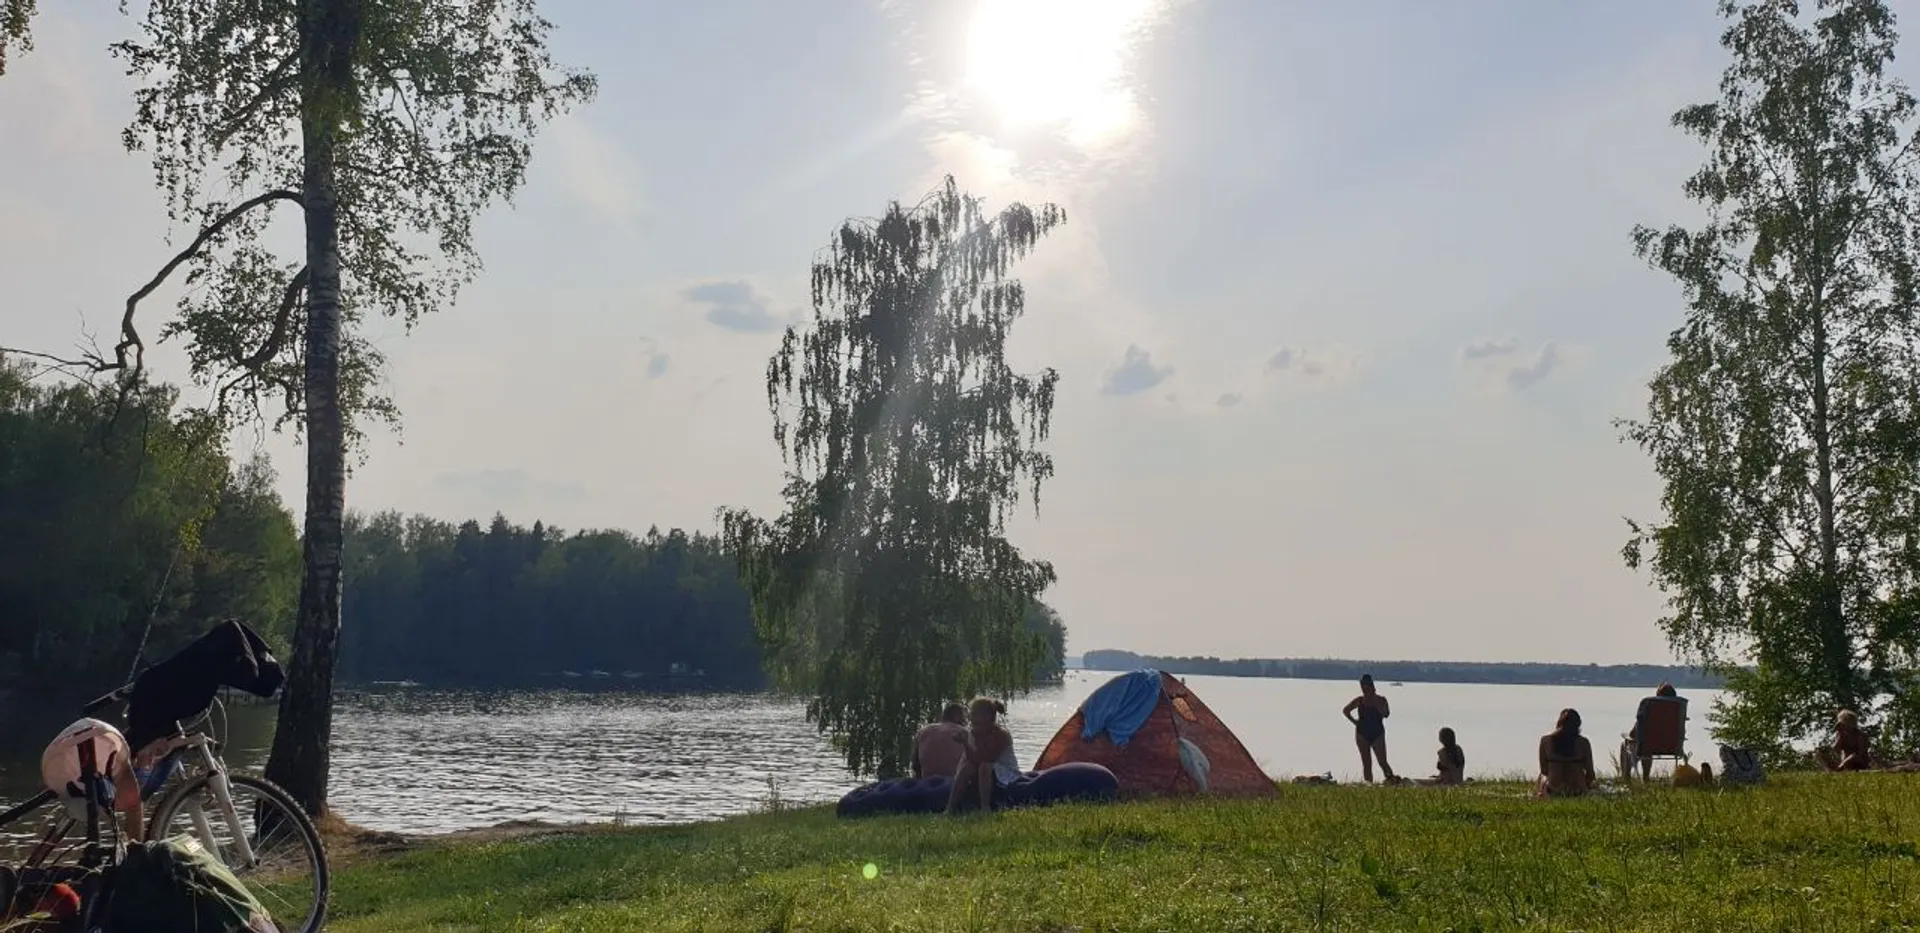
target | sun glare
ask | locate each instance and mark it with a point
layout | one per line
(1056, 62)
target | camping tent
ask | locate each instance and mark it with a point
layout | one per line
(1135, 725)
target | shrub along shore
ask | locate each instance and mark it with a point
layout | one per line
(1806, 853)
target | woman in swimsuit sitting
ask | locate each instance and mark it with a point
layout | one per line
(989, 762)
(1566, 759)
(1368, 712)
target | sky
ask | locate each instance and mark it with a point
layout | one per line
(1344, 310)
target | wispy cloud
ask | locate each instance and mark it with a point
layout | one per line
(1229, 400)
(1487, 349)
(1531, 373)
(1323, 364)
(1134, 374)
(736, 305)
(1504, 364)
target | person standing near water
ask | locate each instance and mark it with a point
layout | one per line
(1368, 712)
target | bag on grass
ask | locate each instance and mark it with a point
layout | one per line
(176, 886)
(1740, 766)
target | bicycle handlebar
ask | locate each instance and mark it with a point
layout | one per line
(96, 705)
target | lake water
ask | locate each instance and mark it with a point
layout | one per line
(420, 761)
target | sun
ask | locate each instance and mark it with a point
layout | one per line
(1056, 62)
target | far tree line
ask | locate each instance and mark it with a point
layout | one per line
(1433, 672)
(501, 604)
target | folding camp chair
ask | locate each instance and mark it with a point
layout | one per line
(1663, 734)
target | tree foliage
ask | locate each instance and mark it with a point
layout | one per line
(433, 122)
(887, 586)
(118, 511)
(15, 18)
(1786, 427)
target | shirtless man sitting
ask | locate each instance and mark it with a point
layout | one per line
(939, 746)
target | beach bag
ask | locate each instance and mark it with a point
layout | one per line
(1685, 775)
(1740, 766)
(175, 886)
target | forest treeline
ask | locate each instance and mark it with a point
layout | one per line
(1436, 672)
(116, 510)
(510, 605)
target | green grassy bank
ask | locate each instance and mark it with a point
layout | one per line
(1808, 853)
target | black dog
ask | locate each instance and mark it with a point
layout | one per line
(183, 686)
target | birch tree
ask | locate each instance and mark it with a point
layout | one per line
(1786, 426)
(887, 586)
(384, 127)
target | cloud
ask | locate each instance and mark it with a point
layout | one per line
(656, 364)
(1324, 364)
(1135, 374)
(1230, 399)
(1488, 349)
(1545, 361)
(498, 487)
(736, 305)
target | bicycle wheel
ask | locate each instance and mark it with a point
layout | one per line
(288, 868)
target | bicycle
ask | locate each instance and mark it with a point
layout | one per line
(194, 794)
(89, 878)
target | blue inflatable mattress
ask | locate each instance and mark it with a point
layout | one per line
(1075, 780)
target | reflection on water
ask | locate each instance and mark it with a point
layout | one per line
(417, 761)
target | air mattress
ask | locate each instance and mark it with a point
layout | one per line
(1075, 780)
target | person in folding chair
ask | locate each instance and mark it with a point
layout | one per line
(1659, 731)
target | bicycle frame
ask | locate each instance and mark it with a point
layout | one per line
(198, 751)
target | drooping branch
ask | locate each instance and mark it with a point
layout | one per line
(130, 337)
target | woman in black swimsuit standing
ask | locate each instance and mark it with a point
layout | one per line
(1368, 713)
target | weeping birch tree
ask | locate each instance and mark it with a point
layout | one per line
(1786, 427)
(384, 126)
(888, 586)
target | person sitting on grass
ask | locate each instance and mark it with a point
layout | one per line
(939, 746)
(1451, 763)
(1566, 759)
(989, 763)
(1851, 751)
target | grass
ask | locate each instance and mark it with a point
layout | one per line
(1807, 853)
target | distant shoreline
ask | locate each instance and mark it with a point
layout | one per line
(1516, 673)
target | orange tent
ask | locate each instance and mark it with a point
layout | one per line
(1150, 764)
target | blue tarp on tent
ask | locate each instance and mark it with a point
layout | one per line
(1120, 706)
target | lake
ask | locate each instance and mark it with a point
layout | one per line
(414, 760)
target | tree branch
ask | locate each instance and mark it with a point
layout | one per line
(129, 337)
(58, 362)
(276, 82)
(252, 366)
